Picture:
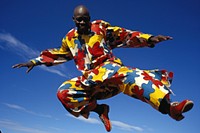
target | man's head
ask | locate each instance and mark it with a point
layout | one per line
(82, 19)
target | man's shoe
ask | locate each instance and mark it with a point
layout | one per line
(104, 117)
(176, 109)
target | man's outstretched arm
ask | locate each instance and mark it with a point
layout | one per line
(121, 37)
(49, 57)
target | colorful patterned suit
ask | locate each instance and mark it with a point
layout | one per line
(103, 74)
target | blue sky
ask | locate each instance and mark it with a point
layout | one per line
(28, 102)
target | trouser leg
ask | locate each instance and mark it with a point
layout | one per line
(75, 97)
(145, 85)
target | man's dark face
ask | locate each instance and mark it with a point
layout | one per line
(82, 22)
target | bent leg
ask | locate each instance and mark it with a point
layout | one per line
(78, 100)
(75, 97)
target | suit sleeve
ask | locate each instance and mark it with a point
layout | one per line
(54, 56)
(121, 37)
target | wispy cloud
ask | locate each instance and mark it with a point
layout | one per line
(17, 127)
(8, 124)
(20, 108)
(10, 43)
(55, 70)
(89, 120)
(115, 124)
(124, 126)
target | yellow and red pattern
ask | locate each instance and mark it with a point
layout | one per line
(104, 75)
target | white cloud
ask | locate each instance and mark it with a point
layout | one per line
(115, 124)
(17, 127)
(8, 124)
(89, 120)
(53, 70)
(13, 44)
(17, 107)
(124, 126)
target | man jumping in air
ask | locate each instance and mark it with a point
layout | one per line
(90, 44)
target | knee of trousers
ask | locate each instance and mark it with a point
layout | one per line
(62, 95)
(71, 100)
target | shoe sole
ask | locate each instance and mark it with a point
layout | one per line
(188, 106)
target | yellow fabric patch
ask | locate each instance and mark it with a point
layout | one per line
(33, 62)
(124, 70)
(70, 43)
(145, 36)
(92, 40)
(58, 51)
(156, 95)
(99, 76)
(117, 60)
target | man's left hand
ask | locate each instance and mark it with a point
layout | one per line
(159, 38)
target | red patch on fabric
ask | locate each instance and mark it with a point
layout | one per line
(77, 83)
(48, 54)
(63, 96)
(163, 71)
(138, 93)
(98, 30)
(96, 50)
(79, 59)
(71, 34)
(96, 71)
(171, 74)
(134, 34)
(47, 60)
(123, 34)
(148, 77)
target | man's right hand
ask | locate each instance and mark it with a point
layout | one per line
(29, 65)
